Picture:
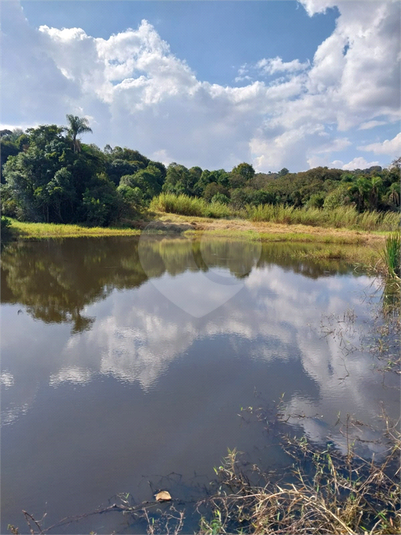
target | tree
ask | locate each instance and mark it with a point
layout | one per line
(361, 189)
(77, 125)
(396, 164)
(284, 171)
(375, 191)
(213, 189)
(245, 170)
(393, 195)
(179, 180)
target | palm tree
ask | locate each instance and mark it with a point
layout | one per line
(77, 126)
(376, 188)
(394, 194)
(361, 188)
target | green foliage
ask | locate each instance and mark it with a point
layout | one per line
(220, 198)
(101, 202)
(132, 195)
(337, 197)
(50, 176)
(149, 181)
(6, 233)
(239, 198)
(77, 125)
(180, 180)
(316, 201)
(391, 255)
(214, 189)
(284, 171)
(245, 170)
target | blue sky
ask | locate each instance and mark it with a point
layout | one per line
(212, 83)
(214, 37)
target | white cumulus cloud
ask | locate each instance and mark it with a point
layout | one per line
(358, 163)
(273, 65)
(392, 147)
(141, 95)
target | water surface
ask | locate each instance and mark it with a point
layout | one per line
(125, 365)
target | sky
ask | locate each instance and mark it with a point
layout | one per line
(279, 83)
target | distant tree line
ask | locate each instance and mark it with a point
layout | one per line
(49, 175)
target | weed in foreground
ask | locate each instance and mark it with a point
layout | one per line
(323, 491)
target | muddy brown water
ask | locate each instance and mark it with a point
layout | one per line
(125, 364)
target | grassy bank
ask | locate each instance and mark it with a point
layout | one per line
(325, 243)
(342, 217)
(49, 230)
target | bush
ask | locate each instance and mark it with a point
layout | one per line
(337, 198)
(316, 201)
(6, 232)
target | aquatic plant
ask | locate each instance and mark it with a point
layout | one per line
(391, 254)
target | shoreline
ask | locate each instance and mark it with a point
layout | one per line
(199, 226)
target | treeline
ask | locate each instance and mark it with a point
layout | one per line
(49, 175)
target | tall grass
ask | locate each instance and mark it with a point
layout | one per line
(342, 217)
(192, 206)
(346, 217)
(391, 255)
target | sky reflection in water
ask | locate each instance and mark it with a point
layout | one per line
(119, 363)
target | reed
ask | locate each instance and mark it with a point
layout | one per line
(391, 255)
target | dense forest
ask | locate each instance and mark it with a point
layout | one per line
(49, 175)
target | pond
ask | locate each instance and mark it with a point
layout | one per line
(127, 365)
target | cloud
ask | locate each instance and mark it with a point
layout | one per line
(371, 124)
(141, 95)
(358, 163)
(391, 147)
(313, 7)
(138, 335)
(274, 65)
(334, 146)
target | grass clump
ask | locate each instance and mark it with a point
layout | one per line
(336, 494)
(391, 255)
